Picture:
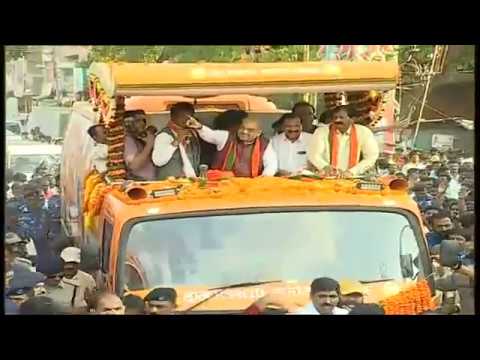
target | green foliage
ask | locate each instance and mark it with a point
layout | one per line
(15, 52)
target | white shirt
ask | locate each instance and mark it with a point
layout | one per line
(220, 137)
(292, 156)
(453, 189)
(99, 157)
(163, 151)
(309, 309)
(319, 149)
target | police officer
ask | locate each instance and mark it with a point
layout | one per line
(24, 285)
(161, 301)
(34, 223)
(14, 206)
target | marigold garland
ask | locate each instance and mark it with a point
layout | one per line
(111, 112)
(414, 300)
(91, 181)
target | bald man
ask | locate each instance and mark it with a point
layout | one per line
(246, 153)
(109, 304)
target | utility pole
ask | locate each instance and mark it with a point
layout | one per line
(425, 94)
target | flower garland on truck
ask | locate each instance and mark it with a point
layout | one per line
(111, 112)
(94, 193)
(414, 300)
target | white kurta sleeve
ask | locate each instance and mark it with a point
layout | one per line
(270, 162)
(316, 149)
(370, 153)
(216, 137)
(163, 149)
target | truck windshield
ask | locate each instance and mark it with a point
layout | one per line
(297, 246)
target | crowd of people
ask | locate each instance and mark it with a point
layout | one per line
(44, 271)
(334, 146)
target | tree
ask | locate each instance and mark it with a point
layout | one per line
(15, 52)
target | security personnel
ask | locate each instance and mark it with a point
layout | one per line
(34, 223)
(23, 286)
(161, 301)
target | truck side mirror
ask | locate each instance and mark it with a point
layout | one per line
(449, 253)
(406, 264)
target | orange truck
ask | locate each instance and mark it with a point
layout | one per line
(254, 236)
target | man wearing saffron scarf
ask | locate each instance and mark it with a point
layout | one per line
(176, 151)
(343, 148)
(246, 153)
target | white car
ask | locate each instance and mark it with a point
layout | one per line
(25, 156)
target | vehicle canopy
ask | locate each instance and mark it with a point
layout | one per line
(207, 79)
(112, 83)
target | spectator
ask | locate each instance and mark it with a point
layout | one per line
(17, 254)
(138, 146)
(81, 281)
(291, 146)
(429, 212)
(98, 134)
(436, 165)
(421, 197)
(343, 148)
(45, 186)
(20, 178)
(467, 222)
(247, 153)
(453, 187)
(108, 303)
(454, 167)
(413, 176)
(428, 182)
(17, 191)
(306, 112)
(442, 227)
(177, 150)
(42, 305)
(325, 297)
(134, 305)
(161, 301)
(392, 168)
(382, 167)
(352, 294)
(454, 212)
(413, 163)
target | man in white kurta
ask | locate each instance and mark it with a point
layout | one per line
(319, 151)
(291, 146)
